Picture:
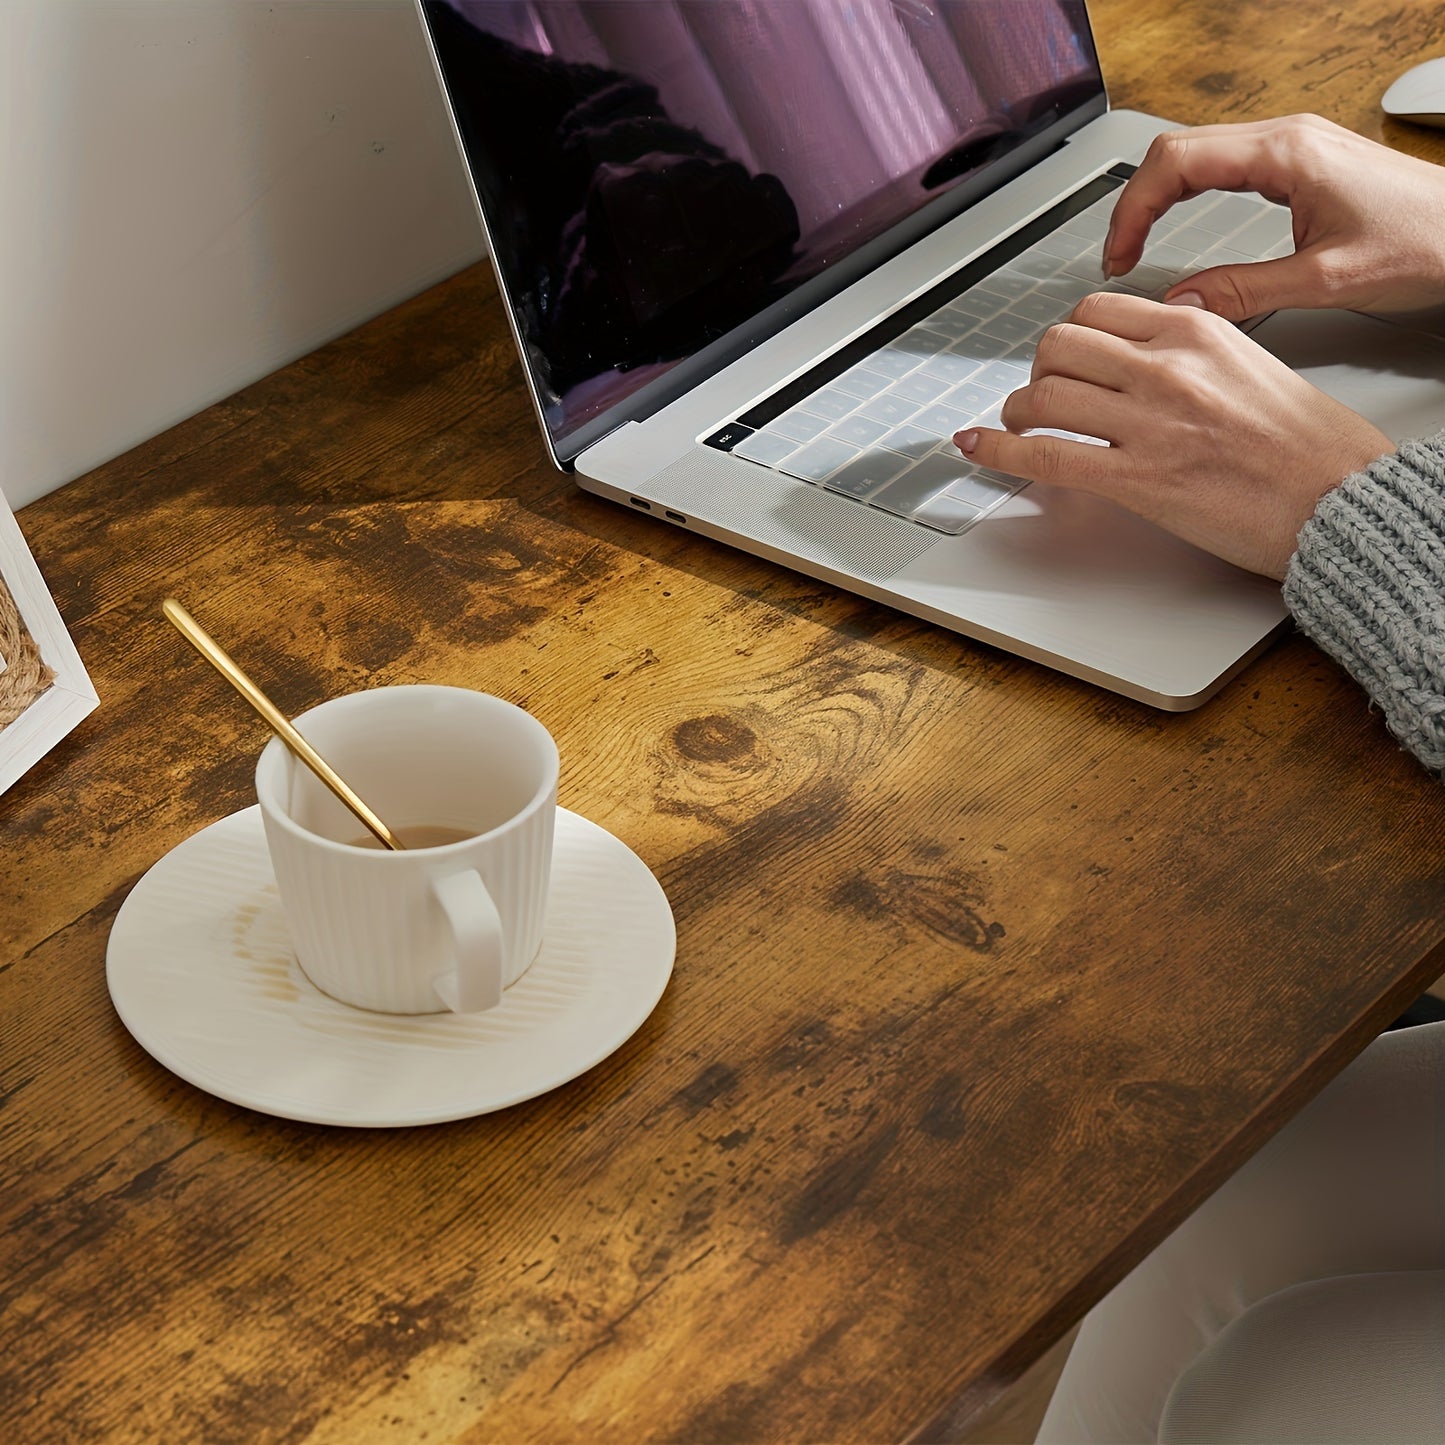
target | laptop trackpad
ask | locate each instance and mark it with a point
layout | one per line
(1384, 371)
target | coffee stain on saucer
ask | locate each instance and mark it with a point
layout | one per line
(261, 943)
(259, 938)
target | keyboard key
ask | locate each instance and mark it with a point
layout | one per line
(863, 477)
(1089, 226)
(1008, 328)
(1123, 286)
(831, 404)
(949, 367)
(1003, 376)
(767, 448)
(982, 488)
(1188, 210)
(860, 431)
(889, 408)
(1067, 291)
(1268, 229)
(861, 382)
(996, 296)
(973, 399)
(910, 441)
(981, 349)
(1201, 215)
(924, 479)
(1194, 239)
(971, 305)
(920, 388)
(942, 421)
(952, 324)
(923, 341)
(892, 363)
(1170, 257)
(1006, 283)
(977, 304)
(1037, 266)
(819, 459)
(1228, 214)
(1088, 267)
(1228, 256)
(946, 513)
(1150, 280)
(801, 425)
(1063, 244)
(1042, 307)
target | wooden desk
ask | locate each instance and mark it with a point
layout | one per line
(985, 977)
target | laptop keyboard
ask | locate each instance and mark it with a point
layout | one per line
(882, 432)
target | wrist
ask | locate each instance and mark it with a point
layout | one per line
(1356, 450)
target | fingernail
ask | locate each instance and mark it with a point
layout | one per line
(1185, 298)
(965, 441)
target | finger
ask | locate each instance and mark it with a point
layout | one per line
(1060, 403)
(1085, 354)
(1181, 164)
(1043, 459)
(1133, 318)
(1239, 292)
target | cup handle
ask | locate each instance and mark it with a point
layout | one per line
(476, 983)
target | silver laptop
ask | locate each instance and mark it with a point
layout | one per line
(762, 258)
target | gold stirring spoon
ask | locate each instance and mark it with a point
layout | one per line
(217, 656)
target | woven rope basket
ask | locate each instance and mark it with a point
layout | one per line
(26, 676)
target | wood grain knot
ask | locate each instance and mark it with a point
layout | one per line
(1149, 1101)
(715, 739)
(946, 904)
(1217, 82)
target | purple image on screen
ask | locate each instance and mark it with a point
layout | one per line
(655, 173)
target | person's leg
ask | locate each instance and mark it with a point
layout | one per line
(1352, 1185)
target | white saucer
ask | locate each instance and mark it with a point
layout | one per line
(201, 972)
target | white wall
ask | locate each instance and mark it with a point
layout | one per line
(194, 192)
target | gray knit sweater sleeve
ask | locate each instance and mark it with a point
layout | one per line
(1368, 586)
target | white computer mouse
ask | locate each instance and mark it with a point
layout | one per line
(1418, 95)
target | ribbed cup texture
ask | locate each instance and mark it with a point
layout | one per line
(366, 923)
(367, 929)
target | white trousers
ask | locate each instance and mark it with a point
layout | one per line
(1304, 1303)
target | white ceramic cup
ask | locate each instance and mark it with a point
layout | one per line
(430, 928)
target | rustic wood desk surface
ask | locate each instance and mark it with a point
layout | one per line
(984, 978)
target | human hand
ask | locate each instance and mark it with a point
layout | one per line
(1210, 436)
(1369, 223)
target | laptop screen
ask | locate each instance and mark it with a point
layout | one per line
(664, 181)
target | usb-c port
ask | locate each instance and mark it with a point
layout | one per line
(638, 502)
(675, 517)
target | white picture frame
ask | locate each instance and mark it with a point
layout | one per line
(69, 695)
